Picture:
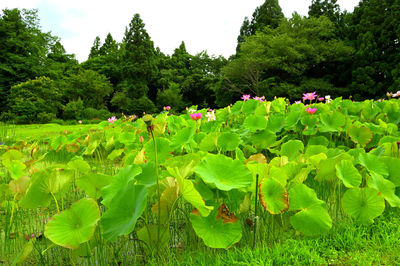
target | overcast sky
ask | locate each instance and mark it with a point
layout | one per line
(211, 25)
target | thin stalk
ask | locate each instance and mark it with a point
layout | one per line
(89, 251)
(158, 191)
(55, 200)
(255, 213)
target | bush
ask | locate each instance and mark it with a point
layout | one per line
(73, 110)
(91, 113)
(43, 118)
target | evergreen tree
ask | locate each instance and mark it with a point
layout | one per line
(268, 14)
(95, 50)
(328, 8)
(138, 61)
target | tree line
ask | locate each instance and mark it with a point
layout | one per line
(330, 51)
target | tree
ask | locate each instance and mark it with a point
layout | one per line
(138, 60)
(375, 34)
(274, 62)
(95, 49)
(23, 49)
(268, 14)
(89, 86)
(328, 8)
(33, 98)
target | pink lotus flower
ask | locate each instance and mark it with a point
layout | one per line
(141, 139)
(245, 97)
(309, 96)
(297, 102)
(80, 121)
(261, 99)
(196, 116)
(167, 108)
(112, 119)
(321, 99)
(397, 94)
(311, 110)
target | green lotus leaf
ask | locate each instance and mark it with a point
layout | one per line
(115, 154)
(275, 123)
(183, 136)
(91, 147)
(127, 138)
(58, 141)
(313, 220)
(318, 140)
(255, 123)
(149, 235)
(16, 168)
(119, 181)
(273, 196)
(310, 123)
(79, 165)
(279, 174)
(249, 107)
(363, 204)
(332, 121)
(326, 170)
(163, 149)
(360, 135)
(92, 183)
(215, 232)
(12, 155)
(148, 175)
(263, 139)
(385, 187)
(373, 163)
(74, 226)
(315, 149)
(302, 197)
(292, 119)
(189, 193)
(224, 172)
(43, 184)
(292, 149)
(228, 141)
(124, 210)
(349, 175)
(394, 169)
(209, 142)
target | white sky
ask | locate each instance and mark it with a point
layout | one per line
(211, 25)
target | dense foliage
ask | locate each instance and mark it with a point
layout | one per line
(337, 53)
(241, 176)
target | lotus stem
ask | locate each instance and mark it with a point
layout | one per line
(255, 213)
(158, 190)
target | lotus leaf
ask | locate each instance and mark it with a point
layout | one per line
(224, 172)
(349, 175)
(124, 210)
(273, 196)
(74, 226)
(216, 232)
(363, 204)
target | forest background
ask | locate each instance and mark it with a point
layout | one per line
(330, 51)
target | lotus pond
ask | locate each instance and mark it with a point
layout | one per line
(245, 176)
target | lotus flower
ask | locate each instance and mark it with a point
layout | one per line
(211, 116)
(311, 110)
(309, 96)
(297, 102)
(112, 119)
(196, 116)
(397, 94)
(80, 121)
(328, 99)
(321, 99)
(167, 108)
(245, 97)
